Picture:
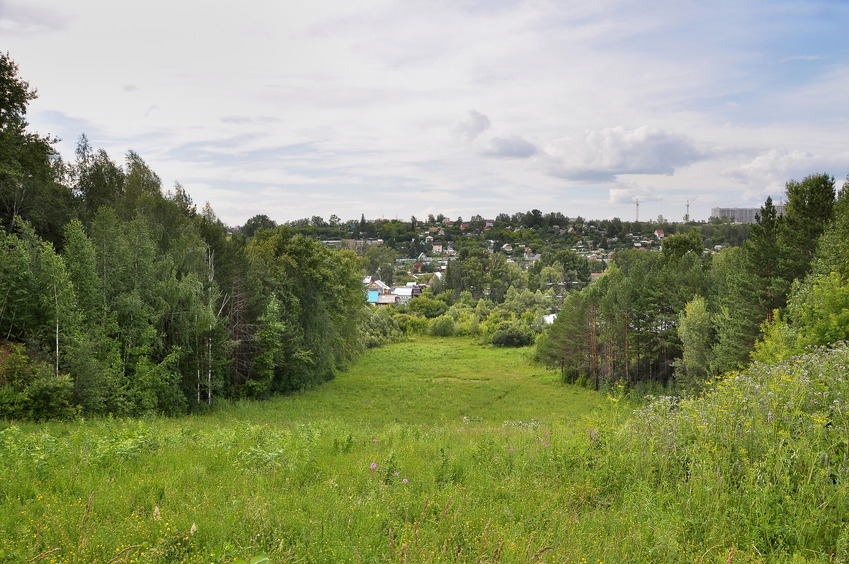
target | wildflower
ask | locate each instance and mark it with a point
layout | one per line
(510, 449)
(396, 473)
(404, 481)
(373, 466)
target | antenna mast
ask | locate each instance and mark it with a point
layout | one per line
(637, 209)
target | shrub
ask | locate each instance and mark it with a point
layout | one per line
(380, 328)
(412, 324)
(428, 306)
(442, 326)
(774, 432)
(512, 334)
(30, 388)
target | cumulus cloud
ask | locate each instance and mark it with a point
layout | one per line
(473, 129)
(28, 18)
(470, 126)
(513, 146)
(768, 173)
(602, 154)
(624, 192)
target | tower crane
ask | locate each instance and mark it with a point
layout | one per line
(687, 217)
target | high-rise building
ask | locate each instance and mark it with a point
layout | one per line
(743, 215)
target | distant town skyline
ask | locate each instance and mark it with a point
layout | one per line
(394, 109)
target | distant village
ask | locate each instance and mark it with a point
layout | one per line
(421, 250)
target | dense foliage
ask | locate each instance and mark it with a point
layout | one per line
(116, 298)
(684, 315)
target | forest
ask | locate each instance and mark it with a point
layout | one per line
(684, 315)
(119, 298)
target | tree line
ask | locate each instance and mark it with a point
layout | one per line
(684, 315)
(118, 298)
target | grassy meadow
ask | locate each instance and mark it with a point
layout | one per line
(438, 449)
(441, 450)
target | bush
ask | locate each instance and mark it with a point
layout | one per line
(512, 334)
(468, 326)
(428, 306)
(30, 388)
(770, 437)
(380, 328)
(442, 326)
(412, 324)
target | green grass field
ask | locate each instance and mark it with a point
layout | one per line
(440, 450)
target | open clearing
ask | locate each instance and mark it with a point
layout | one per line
(437, 450)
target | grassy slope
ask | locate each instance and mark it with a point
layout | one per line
(443, 451)
(293, 477)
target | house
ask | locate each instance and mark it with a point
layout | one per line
(489, 224)
(387, 299)
(373, 284)
(659, 234)
(437, 247)
(403, 294)
(507, 248)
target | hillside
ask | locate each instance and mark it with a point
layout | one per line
(439, 448)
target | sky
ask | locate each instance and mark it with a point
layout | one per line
(400, 108)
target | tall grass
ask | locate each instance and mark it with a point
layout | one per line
(442, 451)
(407, 456)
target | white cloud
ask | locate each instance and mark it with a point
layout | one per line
(628, 191)
(512, 146)
(29, 18)
(472, 124)
(603, 154)
(337, 103)
(768, 173)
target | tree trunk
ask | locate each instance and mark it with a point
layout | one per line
(56, 302)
